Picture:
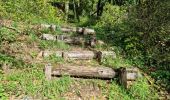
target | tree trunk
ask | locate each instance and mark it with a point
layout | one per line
(66, 10)
(84, 71)
(100, 6)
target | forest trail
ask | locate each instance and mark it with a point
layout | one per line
(73, 47)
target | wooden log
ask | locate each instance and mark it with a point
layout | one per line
(101, 55)
(84, 71)
(66, 30)
(84, 31)
(79, 55)
(48, 69)
(128, 76)
(48, 37)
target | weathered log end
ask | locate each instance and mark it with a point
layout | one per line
(128, 76)
(48, 69)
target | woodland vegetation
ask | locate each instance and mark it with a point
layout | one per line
(137, 30)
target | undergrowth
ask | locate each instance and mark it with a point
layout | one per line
(31, 82)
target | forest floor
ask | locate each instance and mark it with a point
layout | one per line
(23, 76)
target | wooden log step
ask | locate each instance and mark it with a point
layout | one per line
(79, 55)
(68, 29)
(81, 71)
(126, 78)
(70, 40)
(83, 31)
(66, 39)
(127, 75)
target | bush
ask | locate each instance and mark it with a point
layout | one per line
(25, 10)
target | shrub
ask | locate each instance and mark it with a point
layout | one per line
(25, 10)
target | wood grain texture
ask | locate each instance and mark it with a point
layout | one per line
(84, 71)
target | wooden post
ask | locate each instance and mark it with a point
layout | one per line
(85, 71)
(128, 76)
(48, 69)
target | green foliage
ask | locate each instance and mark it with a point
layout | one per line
(118, 93)
(116, 63)
(54, 59)
(7, 35)
(56, 87)
(32, 83)
(28, 10)
(112, 15)
(162, 77)
(11, 61)
(2, 93)
(53, 44)
(142, 91)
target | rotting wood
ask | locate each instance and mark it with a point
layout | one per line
(84, 71)
(79, 55)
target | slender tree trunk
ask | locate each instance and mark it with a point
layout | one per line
(98, 8)
(66, 10)
(74, 9)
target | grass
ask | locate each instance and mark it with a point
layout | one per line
(54, 59)
(53, 45)
(31, 82)
(116, 62)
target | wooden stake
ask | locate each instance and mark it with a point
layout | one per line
(48, 69)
